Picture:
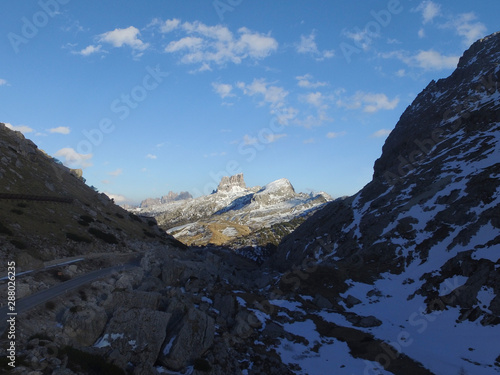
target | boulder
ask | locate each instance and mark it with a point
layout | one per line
(134, 335)
(189, 342)
(84, 324)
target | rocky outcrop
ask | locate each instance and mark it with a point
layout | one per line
(230, 183)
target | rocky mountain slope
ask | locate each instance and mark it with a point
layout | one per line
(419, 246)
(237, 216)
(47, 212)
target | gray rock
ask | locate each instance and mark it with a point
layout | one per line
(84, 324)
(135, 336)
(194, 337)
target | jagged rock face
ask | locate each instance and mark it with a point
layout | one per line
(425, 232)
(229, 183)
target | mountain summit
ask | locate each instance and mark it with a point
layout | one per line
(231, 183)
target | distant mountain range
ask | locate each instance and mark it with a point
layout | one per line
(234, 214)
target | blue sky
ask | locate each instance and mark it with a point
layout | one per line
(155, 96)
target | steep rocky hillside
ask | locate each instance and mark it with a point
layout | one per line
(47, 212)
(419, 246)
(237, 216)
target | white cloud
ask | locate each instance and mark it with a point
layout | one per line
(467, 27)
(116, 197)
(421, 33)
(335, 135)
(222, 89)
(151, 156)
(89, 50)
(189, 42)
(315, 99)
(273, 95)
(258, 46)
(429, 10)
(381, 133)
(428, 60)
(170, 25)
(19, 128)
(433, 60)
(121, 37)
(60, 130)
(401, 73)
(305, 82)
(73, 159)
(370, 102)
(116, 173)
(362, 38)
(270, 138)
(2, 82)
(309, 141)
(285, 115)
(307, 45)
(208, 45)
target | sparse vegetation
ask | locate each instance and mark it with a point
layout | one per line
(106, 237)
(17, 211)
(135, 217)
(78, 238)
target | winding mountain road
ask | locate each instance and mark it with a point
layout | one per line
(27, 303)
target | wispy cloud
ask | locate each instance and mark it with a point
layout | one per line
(270, 138)
(116, 197)
(270, 94)
(306, 82)
(427, 60)
(89, 50)
(3, 82)
(60, 130)
(429, 10)
(368, 102)
(19, 128)
(151, 156)
(208, 45)
(73, 159)
(335, 134)
(467, 26)
(381, 133)
(124, 37)
(307, 45)
(223, 89)
(170, 25)
(116, 173)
